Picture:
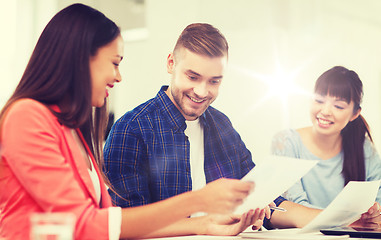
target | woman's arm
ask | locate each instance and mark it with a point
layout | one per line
(213, 224)
(220, 196)
(297, 216)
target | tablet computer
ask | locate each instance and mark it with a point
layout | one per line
(353, 232)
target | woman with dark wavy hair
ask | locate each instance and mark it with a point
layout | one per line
(51, 136)
(339, 138)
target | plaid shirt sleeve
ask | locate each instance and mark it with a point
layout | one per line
(124, 155)
(245, 157)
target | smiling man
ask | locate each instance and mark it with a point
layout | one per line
(177, 142)
(195, 80)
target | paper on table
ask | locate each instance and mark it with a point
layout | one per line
(355, 199)
(289, 234)
(272, 177)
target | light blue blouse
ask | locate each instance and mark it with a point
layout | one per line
(323, 182)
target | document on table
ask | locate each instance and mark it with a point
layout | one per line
(272, 177)
(355, 199)
(289, 234)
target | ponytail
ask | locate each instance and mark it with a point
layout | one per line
(353, 137)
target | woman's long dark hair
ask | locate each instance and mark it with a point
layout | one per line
(58, 72)
(346, 84)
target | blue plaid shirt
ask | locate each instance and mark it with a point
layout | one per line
(147, 153)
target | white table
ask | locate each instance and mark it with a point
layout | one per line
(202, 237)
(205, 237)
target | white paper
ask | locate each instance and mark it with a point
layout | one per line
(272, 177)
(289, 234)
(355, 199)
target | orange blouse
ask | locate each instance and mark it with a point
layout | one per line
(42, 170)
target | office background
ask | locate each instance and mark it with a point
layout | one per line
(278, 48)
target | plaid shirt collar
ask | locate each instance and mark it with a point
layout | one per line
(173, 115)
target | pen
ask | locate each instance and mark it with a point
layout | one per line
(278, 209)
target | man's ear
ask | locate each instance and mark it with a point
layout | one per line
(170, 63)
(355, 116)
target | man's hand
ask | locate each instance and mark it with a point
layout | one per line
(224, 195)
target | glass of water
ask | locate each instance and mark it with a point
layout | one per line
(52, 226)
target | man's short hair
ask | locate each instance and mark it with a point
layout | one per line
(203, 39)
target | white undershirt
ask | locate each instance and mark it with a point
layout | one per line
(195, 135)
(95, 179)
(114, 213)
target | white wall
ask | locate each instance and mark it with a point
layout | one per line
(312, 36)
(21, 22)
(309, 36)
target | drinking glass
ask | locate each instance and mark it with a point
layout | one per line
(52, 226)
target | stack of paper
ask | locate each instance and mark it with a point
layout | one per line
(355, 199)
(289, 234)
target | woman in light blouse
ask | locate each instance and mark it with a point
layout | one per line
(339, 139)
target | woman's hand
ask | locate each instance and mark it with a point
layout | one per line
(230, 225)
(370, 219)
(266, 213)
(224, 195)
